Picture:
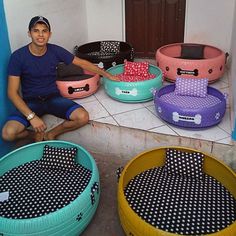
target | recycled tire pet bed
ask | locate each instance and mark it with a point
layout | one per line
(158, 194)
(106, 53)
(190, 111)
(131, 92)
(48, 201)
(191, 60)
(73, 82)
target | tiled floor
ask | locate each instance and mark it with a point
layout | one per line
(143, 116)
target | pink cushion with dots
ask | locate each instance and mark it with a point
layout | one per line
(136, 68)
(191, 87)
(134, 78)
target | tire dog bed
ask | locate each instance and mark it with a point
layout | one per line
(191, 60)
(131, 92)
(73, 82)
(105, 53)
(177, 191)
(48, 192)
(190, 111)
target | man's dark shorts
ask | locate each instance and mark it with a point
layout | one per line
(53, 104)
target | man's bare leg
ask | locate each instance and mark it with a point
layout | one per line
(14, 130)
(78, 118)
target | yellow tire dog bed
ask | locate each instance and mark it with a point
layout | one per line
(177, 191)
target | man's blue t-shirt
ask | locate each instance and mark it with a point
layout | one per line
(38, 73)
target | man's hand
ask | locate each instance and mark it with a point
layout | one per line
(38, 124)
(113, 77)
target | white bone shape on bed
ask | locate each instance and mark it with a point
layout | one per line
(133, 92)
(197, 119)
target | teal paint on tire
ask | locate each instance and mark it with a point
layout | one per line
(64, 221)
(132, 92)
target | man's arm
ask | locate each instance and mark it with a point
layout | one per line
(86, 65)
(13, 94)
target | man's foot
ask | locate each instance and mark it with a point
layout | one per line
(38, 137)
(48, 136)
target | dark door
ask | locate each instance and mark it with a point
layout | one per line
(151, 24)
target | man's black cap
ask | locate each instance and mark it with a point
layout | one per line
(37, 19)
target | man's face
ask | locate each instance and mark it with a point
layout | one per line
(39, 34)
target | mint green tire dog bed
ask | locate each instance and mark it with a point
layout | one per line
(48, 188)
(132, 92)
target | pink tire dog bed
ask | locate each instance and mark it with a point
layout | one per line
(189, 60)
(74, 83)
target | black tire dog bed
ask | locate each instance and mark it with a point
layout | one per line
(105, 53)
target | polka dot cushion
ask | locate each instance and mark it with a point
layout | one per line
(193, 103)
(136, 69)
(191, 87)
(184, 163)
(35, 192)
(180, 205)
(110, 47)
(134, 78)
(58, 158)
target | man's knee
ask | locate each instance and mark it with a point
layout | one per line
(80, 115)
(8, 133)
(83, 116)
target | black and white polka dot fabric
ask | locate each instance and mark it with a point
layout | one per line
(35, 191)
(110, 47)
(184, 163)
(58, 158)
(181, 205)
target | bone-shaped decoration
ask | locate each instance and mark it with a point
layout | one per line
(197, 119)
(79, 89)
(187, 72)
(133, 92)
(100, 65)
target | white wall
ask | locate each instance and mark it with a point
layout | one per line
(67, 18)
(209, 22)
(80, 21)
(232, 73)
(105, 20)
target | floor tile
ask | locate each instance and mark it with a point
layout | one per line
(95, 110)
(101, 94)
(152, 109)
(107, 120)
(116, 107)
(225, 124)
(219, 84)
(86, 99)
(163, 130)
(225, 141)
(147, 104)
(211, 134)
(105, 109)
(140, 119)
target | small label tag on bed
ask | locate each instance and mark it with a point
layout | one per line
(4, 196)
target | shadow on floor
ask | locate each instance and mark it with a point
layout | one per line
(106, 220)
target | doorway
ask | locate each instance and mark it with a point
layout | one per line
(151, 24)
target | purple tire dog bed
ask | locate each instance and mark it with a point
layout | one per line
(190, 111)
(105, 54)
